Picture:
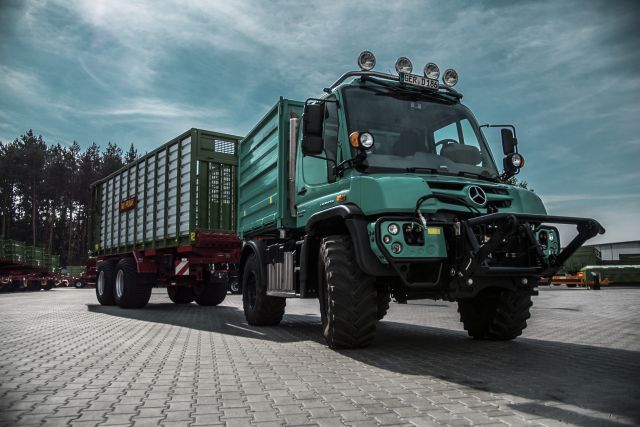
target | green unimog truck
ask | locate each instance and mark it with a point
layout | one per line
(385, 187)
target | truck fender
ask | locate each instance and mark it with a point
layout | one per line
(349, 219)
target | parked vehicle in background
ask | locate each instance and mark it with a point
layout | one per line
(168, 219)
(25, 267)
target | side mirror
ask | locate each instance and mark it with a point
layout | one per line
(312, 120)
(509, 142)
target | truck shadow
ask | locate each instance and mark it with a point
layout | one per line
(553, 377)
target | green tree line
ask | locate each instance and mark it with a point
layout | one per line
(44, 192)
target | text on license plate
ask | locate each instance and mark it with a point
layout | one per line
(412, 79)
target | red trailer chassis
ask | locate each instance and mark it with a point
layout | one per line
(189, 271)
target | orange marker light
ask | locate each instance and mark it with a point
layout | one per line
(341, 197)
(354, 139)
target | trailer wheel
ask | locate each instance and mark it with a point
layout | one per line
(495, 314)
(128, 291)
(348, 296)
(259, 308)
(105, 282)
(384, 298)
(210, 294)
(78, 284)
(180, 294)
(234, 286)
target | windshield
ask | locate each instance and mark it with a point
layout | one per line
(416, 132)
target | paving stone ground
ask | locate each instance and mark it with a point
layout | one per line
(67, 361)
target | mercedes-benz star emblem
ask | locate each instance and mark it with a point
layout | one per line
(477, 195)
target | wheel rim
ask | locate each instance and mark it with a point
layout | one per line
(78, 284)
(120, 283)
(100, 284)
(234, 286)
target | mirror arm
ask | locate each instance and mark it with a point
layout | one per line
(512, 127)
(349, 163)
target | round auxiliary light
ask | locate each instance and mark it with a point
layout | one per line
(450, 77)
(517, 160)
(386, 239)
(403, 65)
(393, 229)
(396, 248)
(366, 60)
(431, 71)
(366, 140)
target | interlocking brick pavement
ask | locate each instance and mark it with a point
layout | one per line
(67, 361)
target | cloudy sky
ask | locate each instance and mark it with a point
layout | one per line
(566, 73)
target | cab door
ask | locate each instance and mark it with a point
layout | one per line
(316, 183)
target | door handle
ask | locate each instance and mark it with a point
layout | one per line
(302, 191)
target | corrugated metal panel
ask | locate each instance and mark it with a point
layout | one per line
(184, 186)
(262, 177)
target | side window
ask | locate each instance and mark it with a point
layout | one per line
(317, 171)
(469, 135)
(331, 129)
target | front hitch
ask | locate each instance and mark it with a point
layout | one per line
(510, 223)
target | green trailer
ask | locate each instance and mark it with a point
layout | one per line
(384, 187)
(168, 218)
(12, 252)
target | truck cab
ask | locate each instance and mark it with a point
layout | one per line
(386, 187)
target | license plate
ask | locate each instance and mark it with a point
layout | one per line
(419, 81)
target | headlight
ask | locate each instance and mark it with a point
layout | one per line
(396, 248)
(403, 65)
(366, 60)
(431, 71)
(517, 160)
(366, 140)
(450, 77)
(393, 229)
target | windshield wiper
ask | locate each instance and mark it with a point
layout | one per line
(421, 169)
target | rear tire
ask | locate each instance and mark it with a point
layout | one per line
(348, 296)
(495, 314)
(129, 292)
(180, 294)
(259, 308)
(105, 282)
(78, 284)
(210, 294)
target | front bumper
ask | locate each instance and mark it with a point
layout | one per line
(467, 256)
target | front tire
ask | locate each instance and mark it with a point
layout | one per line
(384, 298)
(129, 292)
(180, 294)
(78, 284)
(259, 308)
(495, 314)
(348, 296)
(105, 282)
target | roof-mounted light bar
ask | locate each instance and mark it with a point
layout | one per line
(367, 60)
